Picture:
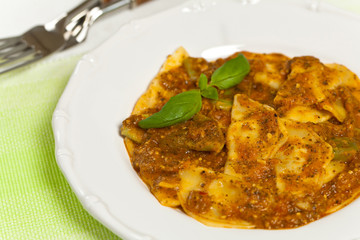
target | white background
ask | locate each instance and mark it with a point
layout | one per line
(16, 16)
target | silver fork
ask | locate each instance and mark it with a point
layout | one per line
(59, 34)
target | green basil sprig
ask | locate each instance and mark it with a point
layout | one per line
(206, 90)
(203, 82)
(185, 105)
(210, 92)
(178, 109)
(231, 73)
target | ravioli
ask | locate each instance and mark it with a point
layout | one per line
(210, 197)
(279, 150)
(254, 136)
(302, 160)
(314, 86)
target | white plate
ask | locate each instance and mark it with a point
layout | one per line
(108, 81)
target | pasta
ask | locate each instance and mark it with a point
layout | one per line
(278, 150)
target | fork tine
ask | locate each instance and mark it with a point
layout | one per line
(22, 62)
(26, 57)
(7, 42)
(15, 57)
(12, 50)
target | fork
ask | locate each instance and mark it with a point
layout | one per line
(59, 34)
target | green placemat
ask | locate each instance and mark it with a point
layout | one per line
(36, 202)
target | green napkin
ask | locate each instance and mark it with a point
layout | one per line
(36, 202)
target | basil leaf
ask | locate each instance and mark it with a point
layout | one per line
(230, 73)
(178, 109)
(203, 81)
(210, 92)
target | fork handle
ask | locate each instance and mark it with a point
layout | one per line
(100, 6)
(96, 8)
(76, 23)
(103, 7)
